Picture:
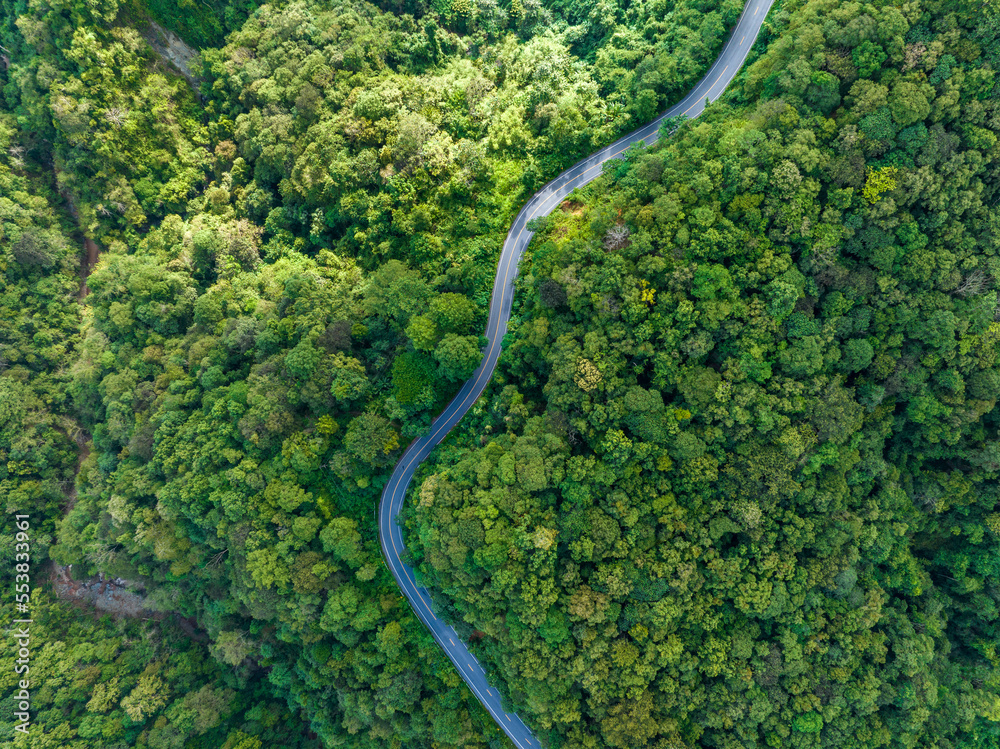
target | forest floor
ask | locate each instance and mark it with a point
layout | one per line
(93, 254)
(116, 597)
(108, 595)
(91, 247)
(82, 440)
(111, 596)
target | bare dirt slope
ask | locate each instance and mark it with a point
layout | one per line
(111, 596)
(172, 49)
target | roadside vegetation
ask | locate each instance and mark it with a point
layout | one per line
(736, 480)
(296, 254)
(735, 483)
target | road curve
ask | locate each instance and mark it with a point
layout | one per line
(542, 203)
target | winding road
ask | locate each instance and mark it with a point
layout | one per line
(710, 87)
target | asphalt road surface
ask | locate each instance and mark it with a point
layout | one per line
(541, 204)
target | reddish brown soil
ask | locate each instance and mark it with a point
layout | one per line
(93, 253)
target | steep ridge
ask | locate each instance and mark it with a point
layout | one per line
(711, 87)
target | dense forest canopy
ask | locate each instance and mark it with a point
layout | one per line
(735, 483)
(296, 245)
